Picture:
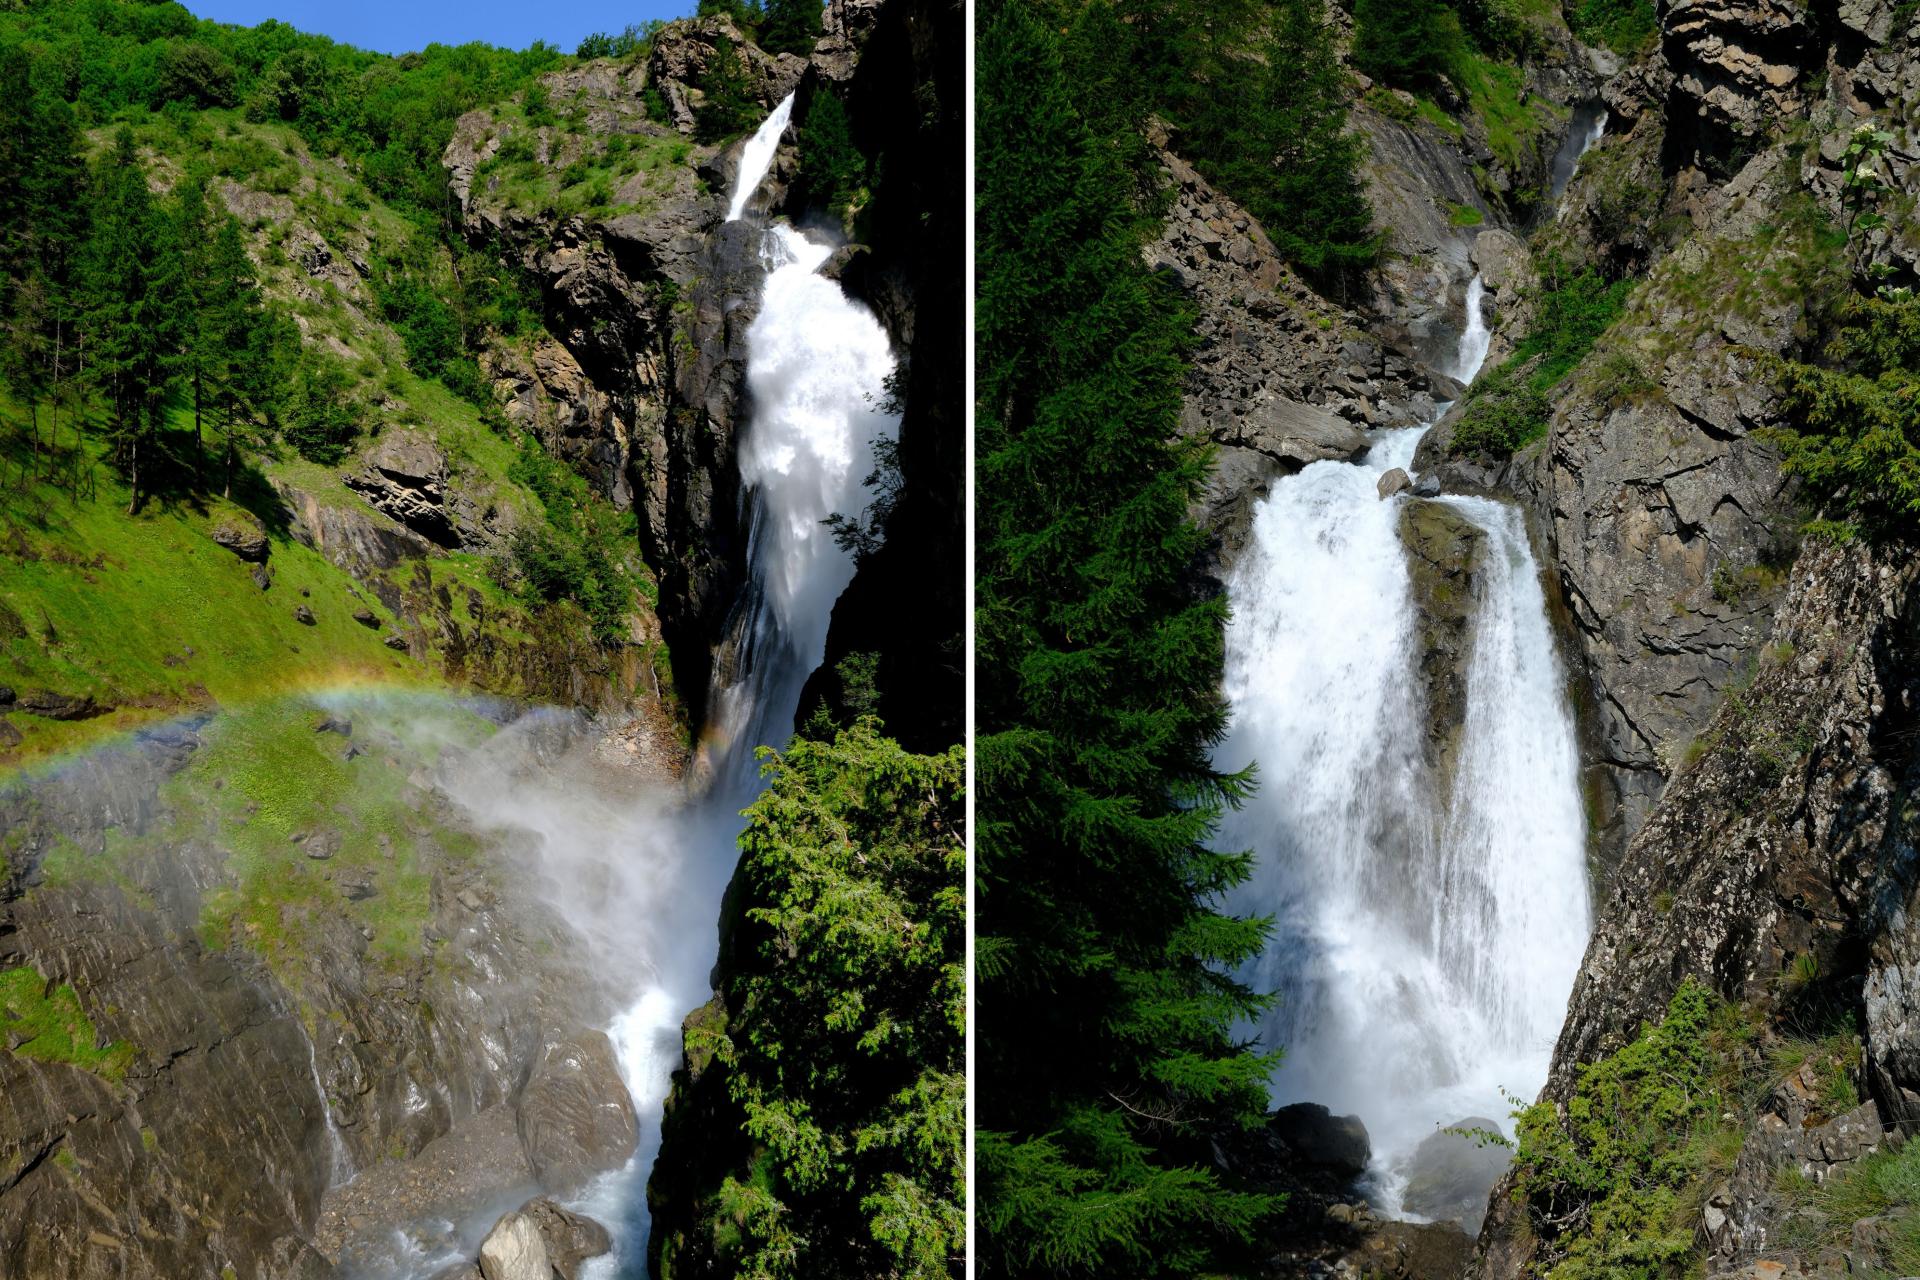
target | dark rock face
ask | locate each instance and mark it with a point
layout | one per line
(1450, 1173)
(1318, 1137)
(406, 478)
(576, 1119)
(905, 93)
(51, 705)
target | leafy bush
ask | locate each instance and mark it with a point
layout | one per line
(1570, 315)
(1610, 1182)
(1505, 412)
(728, 107)
(1411, 44)
(840, 1043)
(580, 554)
(831, 166)
(1852, 430)
(1624, 26)
(322, 419)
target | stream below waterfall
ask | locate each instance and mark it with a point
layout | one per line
(1427, 930)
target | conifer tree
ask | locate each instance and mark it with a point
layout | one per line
(1107, 1055)
(250, 348)
(134, 302)
(790, 26)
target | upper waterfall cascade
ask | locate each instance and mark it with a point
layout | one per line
(1427, 929)
(1476, 339)
(757, 157)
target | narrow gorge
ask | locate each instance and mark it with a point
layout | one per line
(1568, 704)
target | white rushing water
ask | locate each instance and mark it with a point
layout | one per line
(1425, 943)
(1476, 338)
(817, 366)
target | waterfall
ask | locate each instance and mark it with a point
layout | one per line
(1427, 933)
(1588, 126)
(341, 1169)
(817, 365)
(757, 157)
(816, 379)
(1474, 341)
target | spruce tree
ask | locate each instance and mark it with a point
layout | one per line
(250, 351)
(790, 26)
(134, 303)
(1107, 1058)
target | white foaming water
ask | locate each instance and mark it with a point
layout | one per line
(1425, 943)
(1588, 126)
(817, 365)
(757, 157)
(1472, 352)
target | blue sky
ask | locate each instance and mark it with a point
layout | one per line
(399, 26)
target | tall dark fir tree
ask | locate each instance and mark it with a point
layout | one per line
(1108, 1058)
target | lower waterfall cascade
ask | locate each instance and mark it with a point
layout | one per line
(1427, 931)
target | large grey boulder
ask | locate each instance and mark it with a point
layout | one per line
(1452, 1170)
(406, 478)
(515, 1250)
(576, 1118)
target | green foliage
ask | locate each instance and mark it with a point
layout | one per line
(1571, 311)
(1504, 413)
(790, 26)
(831, 167)
(1610, 1182)
(631, 44)
(581, 553)
(1464, 215)
(1108, 1052)
(323, 419)
(1410, 44)
(728, 107)
(845, 1050)
(1852, 424)
(1624, 26)
(44, 1021)
(1258, 99)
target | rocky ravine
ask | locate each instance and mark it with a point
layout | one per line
(259, 1073)
(1668, 533)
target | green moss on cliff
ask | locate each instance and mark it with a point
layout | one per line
(44, 1021)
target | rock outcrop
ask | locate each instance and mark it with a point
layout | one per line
(575, 1117)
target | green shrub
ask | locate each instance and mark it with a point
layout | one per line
(1612, 1183)
(1624, 26)
(322, 419)
(580, 554)
(1505, 412)
(45, 1022)
(1410, 44)
(1852, 426)
(1571, 313)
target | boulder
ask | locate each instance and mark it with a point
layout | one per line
(1502, 260)
(366, 618)
(1451, 1173)
(1300, 433)
(241, 533)
(1394, 481)
(1443, 555)
(261, 578)
(515, 1250)
(1411, 1251)
(570, 1238)
(1317, 1136)
(396, 643)
(303, 615)
(576, 1118)
(539, 1241)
